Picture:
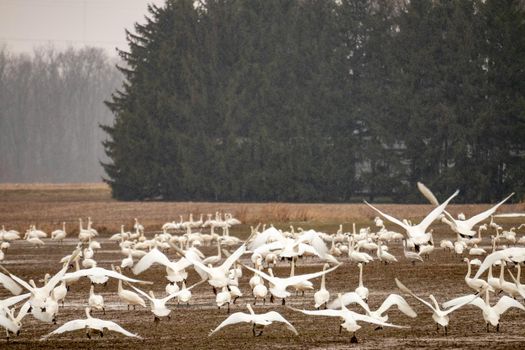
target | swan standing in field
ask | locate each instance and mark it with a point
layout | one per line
(258, 321)
(96, 300)
(439, 316)
(59, 235)
(361, 290)
(349, 319)
(322, 296)
(223, 297)
(410, 255)
(90, 323)
(417, 233)
(491, 314)
(476, 284)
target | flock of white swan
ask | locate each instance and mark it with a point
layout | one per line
(264, 248)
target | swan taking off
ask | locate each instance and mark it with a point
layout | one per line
(257, 321)
(349, 318)
(90, 323)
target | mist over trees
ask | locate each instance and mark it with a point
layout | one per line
(317, 100)
(51, 106)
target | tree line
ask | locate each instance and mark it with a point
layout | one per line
(51, 103)
(319, 100)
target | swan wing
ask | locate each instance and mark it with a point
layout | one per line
(435, 213)
(141, 292)
(264, 275)
(6, 303)
(56, 279)
(173, 295)
(290, 281)
(408, 291)
(400, 302)
(277, 317)
(152, 257)
(263, 237)
(67, 327)
(365, 318)
(112, 326)
(327, 312)
(24, 310)
(510, 215)
(517, 253)
(10, 284)
(506, 303)
(425, 191)
(465, 301)
(486, 214)
(233, 258)
(388, 217)
(348, 298)
(315, 241)
(234, 318)
(461, 300)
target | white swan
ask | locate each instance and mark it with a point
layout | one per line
(476, 284)
(96, 300)
(391, 300)
(278, 285)
(464, 227)
(158, 306)
(361, 290)
(100, 275)
(217, 276)
(491, 314)
(349, 318)
(90, 323)
(322, 296)
(129, 297)
(417, 233)
(257, 321)
(410, 255)
(59, 235)
(439, 316)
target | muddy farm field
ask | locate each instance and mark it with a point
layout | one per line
(441, 275)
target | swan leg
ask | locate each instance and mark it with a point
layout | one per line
(271, 298)
(497, 328)
(156, 320)
(104, 310)
(284, 301)
(253, 330)
(446, 330)
(353, 340)
(214, 291)
(228, 308)
(264, 301)
(128, 307)
(7, 335)
(134, 307)
(340, 329)
(437, 327)
(254, 301)
(488, 328)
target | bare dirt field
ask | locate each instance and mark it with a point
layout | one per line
(189, 326)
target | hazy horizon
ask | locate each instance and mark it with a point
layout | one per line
(26, 24)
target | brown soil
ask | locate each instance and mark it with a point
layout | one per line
(189, 326)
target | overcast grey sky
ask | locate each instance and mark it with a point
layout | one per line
(28, 23)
